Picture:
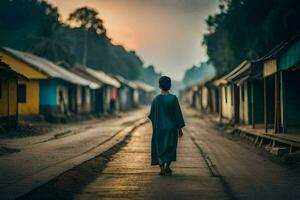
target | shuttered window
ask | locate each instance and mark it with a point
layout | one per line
(21, 93)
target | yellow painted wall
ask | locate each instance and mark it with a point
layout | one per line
(9, 89)
(227, 105)
(31, 107)
(22, 67)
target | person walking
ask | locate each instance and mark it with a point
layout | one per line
(167, 123)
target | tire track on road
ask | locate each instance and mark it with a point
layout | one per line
(211, 166)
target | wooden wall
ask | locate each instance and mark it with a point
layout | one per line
(8, 98)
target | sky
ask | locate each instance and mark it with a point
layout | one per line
(165, 33)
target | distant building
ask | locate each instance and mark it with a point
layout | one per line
(145, 92)
(105, 97)
(125, 93)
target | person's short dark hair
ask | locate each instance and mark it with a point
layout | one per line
(165, 83)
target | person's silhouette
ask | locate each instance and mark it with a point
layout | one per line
(167, 123)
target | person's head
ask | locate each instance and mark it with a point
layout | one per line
(165, 83)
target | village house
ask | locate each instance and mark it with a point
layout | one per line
(212, 97)
(145, 92)
(281, 72)
(8, 96)
(206, 95)
(226, 112)
(50, 89)
(192, 97)
(106, 96)
(125, 93)
(246, 93)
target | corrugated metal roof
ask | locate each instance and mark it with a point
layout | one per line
(144, 86)
(241, 68)
(247, 68)
(7, 71)
(132, 84)
(104, 78)
(49, 68)
(80, 71)
(124, 81)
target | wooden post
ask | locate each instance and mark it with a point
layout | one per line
(283, 102)
(235, 99)
(17, 105)
(265, 105)
(277, 117)
(200, 99)
(8, 106)
(275, 103)
(279, 103)
(220, 103)
(252, 104)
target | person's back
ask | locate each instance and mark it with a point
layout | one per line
(167, 121)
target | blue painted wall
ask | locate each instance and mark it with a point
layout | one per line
(290, 57)
(48, 91)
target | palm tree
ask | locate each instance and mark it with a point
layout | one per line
(51, 43)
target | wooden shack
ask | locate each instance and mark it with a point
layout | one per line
(281, 72)
(8, 96)
(225, 99)
(125, 93)
(145, 92)
(248, 97)
(104, 99)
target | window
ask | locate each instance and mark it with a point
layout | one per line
(21, 93)
(0, 89)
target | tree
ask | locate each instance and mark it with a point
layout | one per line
(248, 29)
(51, 44)
(34, 25)
(88, 19)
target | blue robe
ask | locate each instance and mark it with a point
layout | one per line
(167, 119)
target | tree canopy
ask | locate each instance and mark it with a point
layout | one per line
(248, 29)
(88, 18)
(35, 26)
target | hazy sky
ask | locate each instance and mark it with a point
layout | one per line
(165, 33)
